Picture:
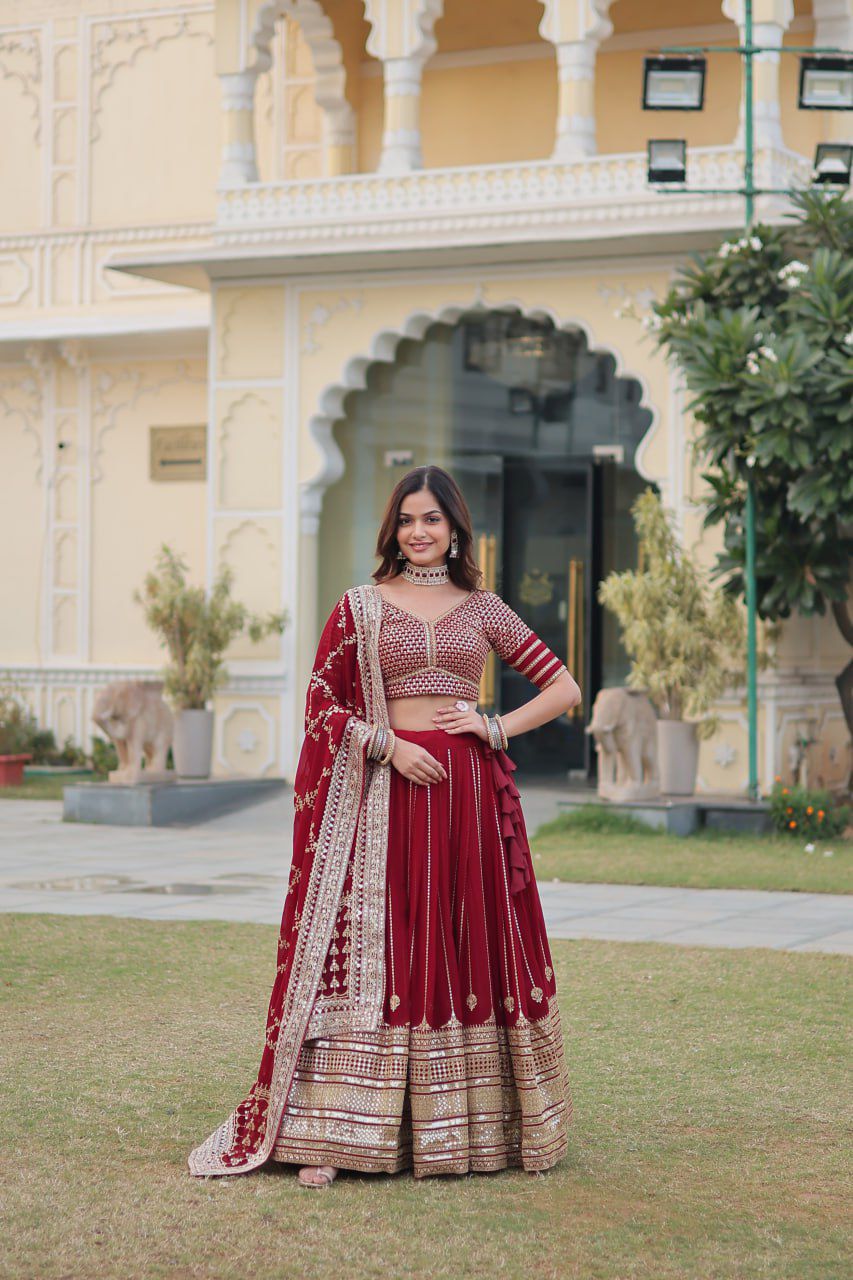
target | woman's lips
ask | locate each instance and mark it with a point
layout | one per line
(421, 546)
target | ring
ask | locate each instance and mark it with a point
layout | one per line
(460, 705)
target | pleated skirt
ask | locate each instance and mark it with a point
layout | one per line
(467, 1071)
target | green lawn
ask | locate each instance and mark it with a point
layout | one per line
(710, 1094)
(46, 787)
(594, 846)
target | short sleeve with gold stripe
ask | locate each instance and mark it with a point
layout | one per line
(518, 644)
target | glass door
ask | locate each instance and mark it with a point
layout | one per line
(548, 574)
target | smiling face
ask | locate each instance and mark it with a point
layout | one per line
(423, 530)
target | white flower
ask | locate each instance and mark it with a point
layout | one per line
(809, 848)
(755, 243)
(828, 853)
(769, 354)
(848, 339)
(792, 274)
(751, 364)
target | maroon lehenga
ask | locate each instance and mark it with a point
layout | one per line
(413, 1021)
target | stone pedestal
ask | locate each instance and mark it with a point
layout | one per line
(162, 804)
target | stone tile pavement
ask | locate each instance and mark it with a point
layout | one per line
(235, 868)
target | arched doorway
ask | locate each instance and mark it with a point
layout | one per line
(541, 434)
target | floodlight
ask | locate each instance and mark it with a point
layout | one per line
(832, 163)
(673, 84)
(667, 160)
(826, 84)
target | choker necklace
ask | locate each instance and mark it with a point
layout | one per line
(425, 575)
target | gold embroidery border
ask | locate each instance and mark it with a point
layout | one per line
(361, 1008)
(322, 900)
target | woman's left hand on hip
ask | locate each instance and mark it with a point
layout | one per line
(454, 720)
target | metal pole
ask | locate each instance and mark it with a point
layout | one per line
(751, 646)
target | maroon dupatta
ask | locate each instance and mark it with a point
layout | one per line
(330, 973)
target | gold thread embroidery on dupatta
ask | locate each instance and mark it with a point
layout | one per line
(341, 813)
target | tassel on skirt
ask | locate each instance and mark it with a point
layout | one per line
(467, 1070)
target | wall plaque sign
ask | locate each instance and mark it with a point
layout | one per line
(178, 453)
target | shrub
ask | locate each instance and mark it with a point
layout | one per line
(806, 814)
(104, 757)
(196, 627)
(45, 750)
(17, 724)
(682, 637)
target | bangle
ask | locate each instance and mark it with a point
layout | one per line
(495, 732)
(377, 742)
(386, 759)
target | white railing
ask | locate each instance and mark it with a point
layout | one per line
(524, 200)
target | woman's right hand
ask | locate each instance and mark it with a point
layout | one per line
(416, 763)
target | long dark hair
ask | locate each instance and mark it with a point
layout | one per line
(463, 568)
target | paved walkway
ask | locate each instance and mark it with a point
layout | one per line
(235, 868)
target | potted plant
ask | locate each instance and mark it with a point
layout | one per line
(17, 731)
(682, 639)
(196, 628)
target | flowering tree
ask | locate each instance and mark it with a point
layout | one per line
(762, 331)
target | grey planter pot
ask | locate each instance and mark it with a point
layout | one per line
(192, 746)
(678, 757)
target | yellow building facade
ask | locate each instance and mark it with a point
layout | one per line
(259, 259)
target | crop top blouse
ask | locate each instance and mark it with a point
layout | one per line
(447, 654)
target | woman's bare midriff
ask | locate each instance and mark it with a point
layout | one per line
(417, 712)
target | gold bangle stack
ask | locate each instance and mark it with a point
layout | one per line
(381, 744)
(495, 732)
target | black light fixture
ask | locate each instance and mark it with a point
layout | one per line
(832, 163)
(826, 84)
(673, 84)
(666, 160)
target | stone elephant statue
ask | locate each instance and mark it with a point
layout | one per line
(134, 716)
(624, 726)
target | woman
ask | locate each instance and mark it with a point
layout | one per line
(413, 1020)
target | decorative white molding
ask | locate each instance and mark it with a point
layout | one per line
(84, 675)
(119, 42)
(25, 275)
(21, 61)
(22, 401)
(321, 315)
(133, 383)
(417, 37)
(221, 724)
(593, 196)
(326, 54)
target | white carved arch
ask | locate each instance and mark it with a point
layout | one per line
(417, 38)
(330, 84)
(383, 350)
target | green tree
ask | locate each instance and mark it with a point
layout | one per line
(197, 628)
(683, 638)
(762, 332)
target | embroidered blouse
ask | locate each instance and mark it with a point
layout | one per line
(447, 654)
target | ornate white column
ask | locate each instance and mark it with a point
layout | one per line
(239, 160)
(771, 19)
(401, 135)
(402, 38)
(575, 28)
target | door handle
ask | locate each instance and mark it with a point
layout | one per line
(575, 628)
(487, 546)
